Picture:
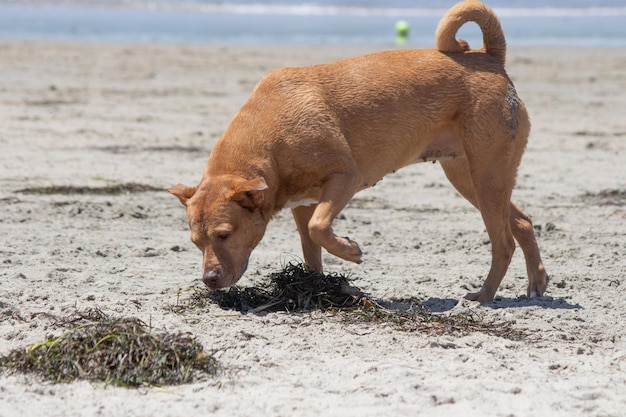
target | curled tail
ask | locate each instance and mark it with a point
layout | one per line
(471, 11)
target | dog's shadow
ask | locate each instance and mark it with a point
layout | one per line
(442, 305)
(545, 302)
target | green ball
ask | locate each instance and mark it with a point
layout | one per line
(402, 28)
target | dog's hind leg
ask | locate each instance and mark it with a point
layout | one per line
(312, 251)
(525, 235)
(337, 191)
(494, 209)
(458, 173)
(491, 196)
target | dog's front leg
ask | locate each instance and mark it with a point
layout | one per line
(337, 192)
(312, 251)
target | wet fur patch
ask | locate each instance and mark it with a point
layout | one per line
(513, 103)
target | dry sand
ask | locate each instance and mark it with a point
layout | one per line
(90, 115)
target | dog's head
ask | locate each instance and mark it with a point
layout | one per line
(226, 220)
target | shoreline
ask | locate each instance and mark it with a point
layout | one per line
(219, 27)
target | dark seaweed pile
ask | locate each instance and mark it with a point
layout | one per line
(297, 289)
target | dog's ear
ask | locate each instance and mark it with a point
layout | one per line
(250, 193)
(183, 192)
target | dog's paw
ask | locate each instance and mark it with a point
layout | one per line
(479, 296)
(537, 286)
(353, 252)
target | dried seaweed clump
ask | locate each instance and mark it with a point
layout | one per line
(114, 189)
(121, 351)
(416, 318)
(295, 288)
(610, 197)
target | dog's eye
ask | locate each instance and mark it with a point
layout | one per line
(222, 236)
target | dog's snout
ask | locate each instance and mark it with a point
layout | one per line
(210, 279)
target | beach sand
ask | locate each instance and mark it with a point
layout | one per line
(90, 115)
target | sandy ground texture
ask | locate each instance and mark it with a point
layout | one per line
(92, 115)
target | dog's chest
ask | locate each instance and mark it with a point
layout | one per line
(299, 203)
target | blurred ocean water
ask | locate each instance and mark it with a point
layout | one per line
(361, 22)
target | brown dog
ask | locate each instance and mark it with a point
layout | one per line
(310, 138)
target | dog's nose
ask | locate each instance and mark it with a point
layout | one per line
(210, 278)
